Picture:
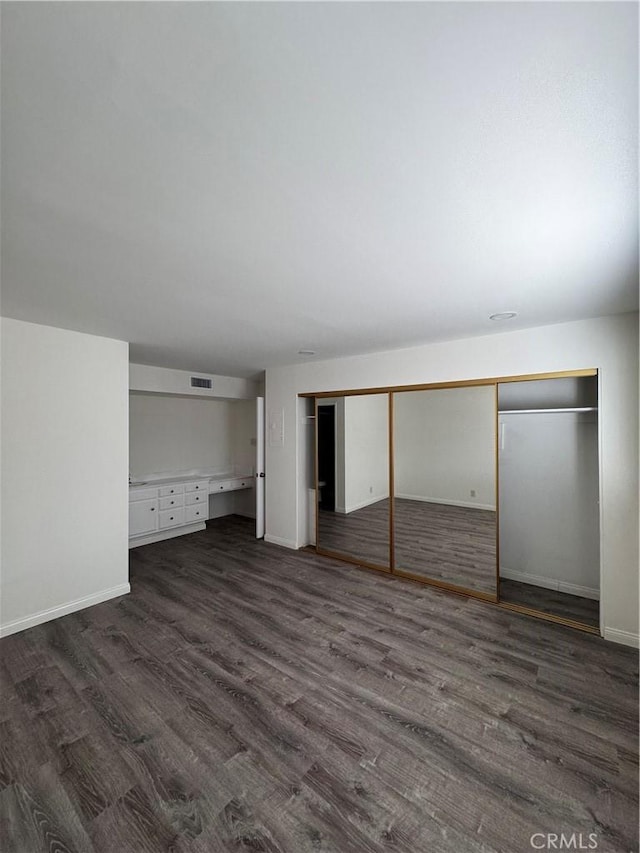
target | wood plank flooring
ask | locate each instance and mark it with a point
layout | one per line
(246, 697)
(585, 610)
(453, 544)
(363, 534)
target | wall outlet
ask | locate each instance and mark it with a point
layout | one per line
(472, 493)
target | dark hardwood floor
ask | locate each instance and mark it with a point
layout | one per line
(246, 697)
(585, 610)
(363, 534)
(454, 544)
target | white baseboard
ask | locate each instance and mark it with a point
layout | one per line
(362, 504)
(626, 638)
(172, 532)
(284, 543)
(550, 583)
(582, 591)
(468, 504)
(63, 610)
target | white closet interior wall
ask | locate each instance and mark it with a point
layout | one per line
(549, 515)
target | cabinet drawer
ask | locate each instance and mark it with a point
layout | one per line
(220, 486)
(174, 489)
(142, 494)
(197, 497)
(171, 501)
(199, 486)
(195, 513)
(244, 483)
(171, 517)
(143, 517)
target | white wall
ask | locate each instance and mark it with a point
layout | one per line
(608, 343)
(163, 380)
(64, 472)
(175, 434)
(178, 434)
(366, 450)
(445, 446)
(549, 525)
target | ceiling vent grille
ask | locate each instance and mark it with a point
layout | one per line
(198, 382)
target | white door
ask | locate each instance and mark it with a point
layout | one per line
(259, 467)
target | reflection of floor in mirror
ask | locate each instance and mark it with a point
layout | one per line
(363, 534)
(584, 610)
(454, 544)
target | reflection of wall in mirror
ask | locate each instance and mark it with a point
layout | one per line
(444, 446)
(366, 451)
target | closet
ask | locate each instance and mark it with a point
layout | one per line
(549, 486)
(487, 488)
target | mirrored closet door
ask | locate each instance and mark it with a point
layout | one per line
(444, 505)
(488, 488)
(352, 468)
(549, 512)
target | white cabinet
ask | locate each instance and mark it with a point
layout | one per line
(171, 518)
(194, 513)
(143, 517)
(172, 489)
(138, 494)
(198, 486)
(172, 507)
(171, 501)
(158, 512)
(230, 485)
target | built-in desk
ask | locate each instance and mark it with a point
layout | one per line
(173, 506)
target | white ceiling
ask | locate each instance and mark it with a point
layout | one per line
(223, 184)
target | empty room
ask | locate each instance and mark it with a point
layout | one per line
(319, 427)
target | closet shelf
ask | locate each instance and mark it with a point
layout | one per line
(546, 411)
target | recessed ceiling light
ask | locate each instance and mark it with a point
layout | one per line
(306, 352)
(503, 315)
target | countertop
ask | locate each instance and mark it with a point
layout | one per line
(186, 478)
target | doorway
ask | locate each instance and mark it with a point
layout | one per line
(327, 457)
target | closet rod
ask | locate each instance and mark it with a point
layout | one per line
(545, 411)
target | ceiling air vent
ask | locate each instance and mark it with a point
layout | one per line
(197, 382)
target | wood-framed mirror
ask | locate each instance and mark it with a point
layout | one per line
(445, 490)
(352, 478)
(486, 487)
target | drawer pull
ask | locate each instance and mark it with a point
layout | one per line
(152, 508)
(197, 487)
(198, 513)
(222, 487)
(171, 519)
(172, 503)
(171, 492)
